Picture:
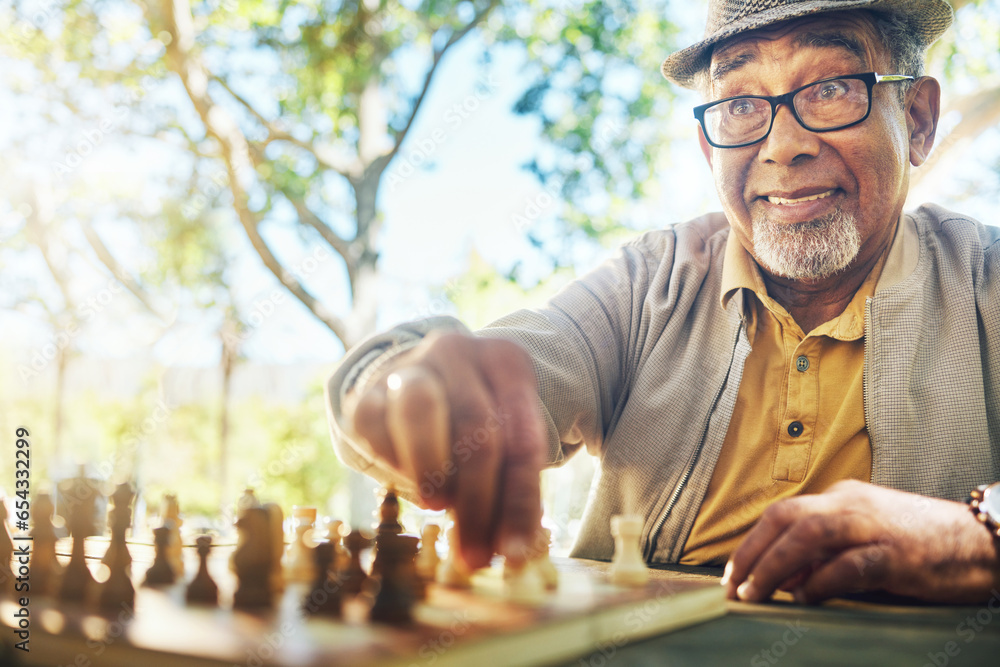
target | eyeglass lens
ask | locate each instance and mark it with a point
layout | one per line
(825, 105)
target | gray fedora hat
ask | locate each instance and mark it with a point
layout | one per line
(727, 18)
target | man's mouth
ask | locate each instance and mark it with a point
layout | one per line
(783, 201)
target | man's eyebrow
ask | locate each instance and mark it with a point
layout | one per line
(720, 70)
(835, 40)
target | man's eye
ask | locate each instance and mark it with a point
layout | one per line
(831, 90)
(741, 107)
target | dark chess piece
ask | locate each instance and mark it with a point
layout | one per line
(388, 525)
(253, 560)
(6, 553)
(161, 573)
(389, 514)
(77, 581)
(118, 589)
(324, 596)
(353, 577)
(45, 567)
(396, 595)
(202, 590)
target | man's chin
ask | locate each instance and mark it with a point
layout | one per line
(806, 251)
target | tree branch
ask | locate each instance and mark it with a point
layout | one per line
(325, 159)
(428, 79)
(220, 124)
(112, 265)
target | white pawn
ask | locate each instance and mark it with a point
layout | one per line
(427, 558)
(452, 571)
(172, 520)
(299, 563)
(627, 567)
(544, 565)
(523, 583)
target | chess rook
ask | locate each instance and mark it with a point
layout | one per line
(627, 566)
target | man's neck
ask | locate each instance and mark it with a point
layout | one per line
(812, 303)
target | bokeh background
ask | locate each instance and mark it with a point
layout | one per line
(205, 203)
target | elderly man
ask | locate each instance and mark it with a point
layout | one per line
(802, 387)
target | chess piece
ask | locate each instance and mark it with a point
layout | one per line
(523, 583)
(161, 572)
(334, 537)
(299, 561)
(117, 590)
(353, 576)
(247, 501)
(202, 589)
(627, 567)
(172, 520)
(396, 596)
(276, 522)
(6, 553)
(452, 570)
(253, 559)
(45, 568)
(543, 563)
(427, 557)
(389, 514)
(77, 581)
(324, 596)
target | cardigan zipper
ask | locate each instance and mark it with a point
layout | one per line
(865, 397)
(654, 534)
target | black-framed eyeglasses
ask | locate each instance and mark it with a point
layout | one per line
(821, 106)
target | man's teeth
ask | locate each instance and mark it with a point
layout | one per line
(782, 200)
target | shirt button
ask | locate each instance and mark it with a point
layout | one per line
(802, 364)
(795, 429)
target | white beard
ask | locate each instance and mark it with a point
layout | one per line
(808, 250)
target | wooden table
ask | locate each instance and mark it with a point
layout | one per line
(868, 631)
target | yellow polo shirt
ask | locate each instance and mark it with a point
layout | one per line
(799, 421)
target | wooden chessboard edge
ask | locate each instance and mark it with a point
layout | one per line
(573, 637)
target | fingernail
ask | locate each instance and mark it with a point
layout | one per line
(747, 591)
(726, 574)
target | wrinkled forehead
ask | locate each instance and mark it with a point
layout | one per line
(852, 32)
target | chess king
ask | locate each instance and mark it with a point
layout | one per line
(803, 386)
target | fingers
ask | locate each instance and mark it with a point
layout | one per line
(512, 376)
(417, 418)
(792, 537)
(771, 525)
(477, 454)
(856, 569)
(369, 424)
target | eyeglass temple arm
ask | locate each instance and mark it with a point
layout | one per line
(879, 78)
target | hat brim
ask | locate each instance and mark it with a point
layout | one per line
(929, 20)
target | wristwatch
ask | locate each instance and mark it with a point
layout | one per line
(985, 504)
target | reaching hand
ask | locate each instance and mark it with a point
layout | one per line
(457, 416)
(860, 537)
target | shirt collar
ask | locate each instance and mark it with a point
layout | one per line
(740, 270)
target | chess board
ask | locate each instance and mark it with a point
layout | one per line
(585, 614)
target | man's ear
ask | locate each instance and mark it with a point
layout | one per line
(922, 117)
(706, 150)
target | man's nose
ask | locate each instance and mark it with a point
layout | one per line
(788, 140)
